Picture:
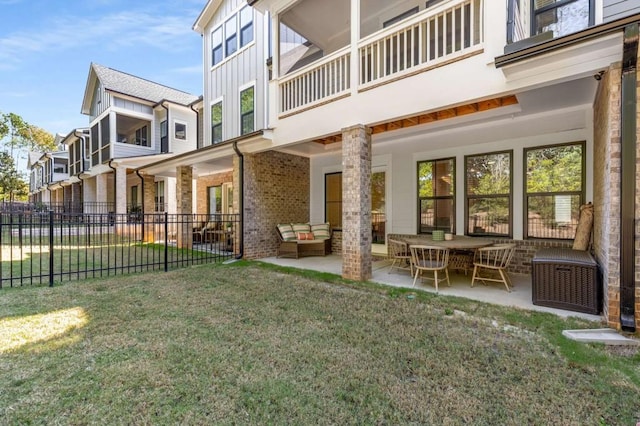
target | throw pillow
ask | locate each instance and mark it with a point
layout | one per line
(287, 232)
(321, 231)
(301, 227)
(305, 235)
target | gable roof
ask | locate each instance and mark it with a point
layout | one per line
(130, 85)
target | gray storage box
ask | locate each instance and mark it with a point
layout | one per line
(566, 279)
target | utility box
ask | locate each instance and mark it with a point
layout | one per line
(566, 279)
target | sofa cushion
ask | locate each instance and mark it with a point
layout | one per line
(321, 231)
(287, 232)
(301, 227)
(304, 236)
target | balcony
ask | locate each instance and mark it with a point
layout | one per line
(330, 67)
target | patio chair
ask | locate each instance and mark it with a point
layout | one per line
(401, 256)
(493, 261)
(430, 259)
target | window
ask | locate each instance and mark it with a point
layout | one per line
(224, 39)
(436, 195)
(231, 36)
(247, 111)
(333, 199)
(216, 123)
(216, 49)
(134, 195)
(180, 131)
(141, 136)
(488, 193)
(159, 197)
(246, 26)
(554, 190)
(164, 136)
(561, 16)
(214, 202)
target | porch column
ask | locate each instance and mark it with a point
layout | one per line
(148, 206)
(184, 188)
(356, 203)
(76, 197)
(120, 186)
(101, 194)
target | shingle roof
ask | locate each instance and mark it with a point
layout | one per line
(131, 85)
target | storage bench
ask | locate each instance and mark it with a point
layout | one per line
(566, 279)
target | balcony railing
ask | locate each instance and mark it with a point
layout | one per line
(434, 36)
(430, 38)
(323, 81)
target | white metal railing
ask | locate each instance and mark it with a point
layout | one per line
(320, 82)
(433, 36)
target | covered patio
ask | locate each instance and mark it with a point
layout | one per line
(519, 297)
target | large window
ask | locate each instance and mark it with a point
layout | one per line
(247, 106)
(214, 202)
(488, 193)
(554, 190)
(436, 195)
(224, 39)
(216, 122)
(561, 16)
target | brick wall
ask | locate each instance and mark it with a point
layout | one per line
(606, 190)
(203, 183)
(276, 190)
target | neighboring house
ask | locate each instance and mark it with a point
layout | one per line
(48, 172)
(133, 122)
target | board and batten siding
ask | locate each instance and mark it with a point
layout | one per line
(616, 9)
(225, 80)
(101, 101)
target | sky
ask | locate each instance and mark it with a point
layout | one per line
(47, 47)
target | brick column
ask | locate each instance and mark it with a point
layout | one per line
(148, 206)
(76, 197)
(102, 195)
(184, 189)
(121, 190)
(236, 181)
(356, 203)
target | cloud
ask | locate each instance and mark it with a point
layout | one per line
(194, 69)
(115, 31)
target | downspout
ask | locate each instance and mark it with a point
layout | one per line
(198, 145)
(240, 198)
(628, 156)
(81, 137)
(142, 190)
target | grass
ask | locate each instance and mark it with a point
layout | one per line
(253, 344)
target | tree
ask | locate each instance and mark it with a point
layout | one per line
(16, 134)
(12, 185)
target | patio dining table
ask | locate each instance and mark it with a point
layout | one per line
(460, 244)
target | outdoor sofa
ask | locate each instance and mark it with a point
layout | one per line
(303, 239)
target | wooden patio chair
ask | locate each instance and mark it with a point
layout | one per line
(401, 256)
(493, 261)
(430, 259)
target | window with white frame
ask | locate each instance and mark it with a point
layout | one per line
(180, 130)
(159, 196)
(216, 122)
(247, 108)
(234, 34)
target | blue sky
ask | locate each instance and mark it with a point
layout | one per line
(47, 46)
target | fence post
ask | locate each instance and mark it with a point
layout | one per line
(50, 248)
(166, 241)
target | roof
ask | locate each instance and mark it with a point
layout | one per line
(127, 84)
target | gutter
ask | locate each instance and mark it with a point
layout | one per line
(166, 108)
(568, 40)
(115, 186)
(197, 124)
(141, 190)
(240, 198)
(628, 156)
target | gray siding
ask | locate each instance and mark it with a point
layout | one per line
(132, 106)
(225, 80)
(100, 102)
(616, 9)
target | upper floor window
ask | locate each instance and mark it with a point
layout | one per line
(561, 16)
(164, 136)
(180, 131)
(488, 193)
(247, 108)
(436, 195)
(216, 122)
(246, 26)
(554, 190)
(224, 39)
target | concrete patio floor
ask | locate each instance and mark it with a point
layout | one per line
(495, 293)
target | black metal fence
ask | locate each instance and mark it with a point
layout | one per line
(46, 247)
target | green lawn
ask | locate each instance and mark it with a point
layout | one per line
(253, 344)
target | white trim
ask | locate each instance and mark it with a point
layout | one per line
(225, 58)
(186, 130)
